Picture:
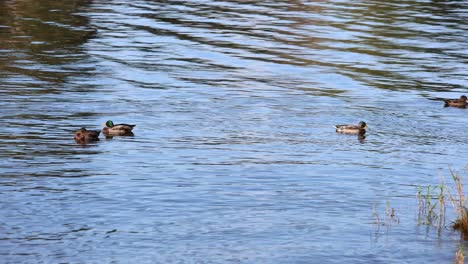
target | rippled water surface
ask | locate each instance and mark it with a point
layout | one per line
(234, 158)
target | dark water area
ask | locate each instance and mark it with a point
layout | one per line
(235, 157)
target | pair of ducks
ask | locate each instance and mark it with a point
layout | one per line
(84, 136)
(360, 129)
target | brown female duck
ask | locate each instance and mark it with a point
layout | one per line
(83, 135)
(460, 103)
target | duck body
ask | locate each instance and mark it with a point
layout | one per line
(359, 129)
(83, 135)
(460, 103)
(118, 129)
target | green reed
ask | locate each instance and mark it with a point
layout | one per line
(431, 204)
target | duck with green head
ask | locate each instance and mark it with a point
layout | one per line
(460, 103)
(84, 136)
(117, 130)
(360, 129)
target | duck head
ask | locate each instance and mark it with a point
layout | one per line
(363, 125)
(109, 123)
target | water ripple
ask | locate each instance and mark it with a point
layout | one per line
(235, 157)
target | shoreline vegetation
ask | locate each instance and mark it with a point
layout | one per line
(432, 204)
(432, 208)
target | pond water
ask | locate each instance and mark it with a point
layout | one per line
(235, 157)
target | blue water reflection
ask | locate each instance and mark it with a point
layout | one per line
(234, 158)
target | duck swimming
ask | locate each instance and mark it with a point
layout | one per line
(85, 136)
(360, 129)
(460, 103)
(118, 129)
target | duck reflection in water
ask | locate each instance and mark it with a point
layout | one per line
(361, 138)
(128, 134)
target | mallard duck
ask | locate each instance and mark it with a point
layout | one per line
(360, 129)
(83, 135)
(117, 130)
(461, 103)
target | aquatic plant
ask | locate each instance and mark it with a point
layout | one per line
(431, 205)
(458, 201)
(432, 209)
(459, 256)
(390, 216)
